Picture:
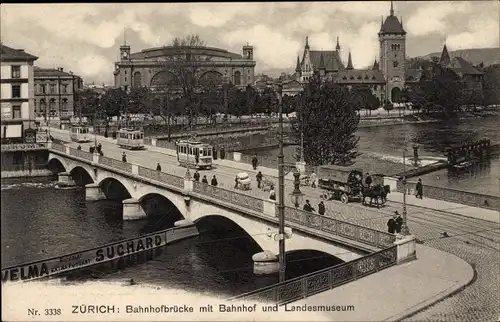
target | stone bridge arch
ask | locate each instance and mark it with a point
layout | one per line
(114, 189)
(162, 208)
(263, 231)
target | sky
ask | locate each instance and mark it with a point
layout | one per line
(85, 38)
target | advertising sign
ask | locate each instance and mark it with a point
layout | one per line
(83, 259)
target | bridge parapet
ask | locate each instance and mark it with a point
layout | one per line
(337, 227)
(454, 195)
(229, 196)
(120, 165)
(161, 177)
(328, 278)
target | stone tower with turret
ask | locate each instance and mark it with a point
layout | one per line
(392, 38)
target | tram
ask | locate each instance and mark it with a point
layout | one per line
(79, 133)
(130, 139)
(194, 154)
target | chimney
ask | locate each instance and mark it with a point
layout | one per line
(60, 69)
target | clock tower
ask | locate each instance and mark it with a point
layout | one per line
(392, 38)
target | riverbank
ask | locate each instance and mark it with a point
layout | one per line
(26, 174)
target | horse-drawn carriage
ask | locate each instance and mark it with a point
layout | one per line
(347, 183)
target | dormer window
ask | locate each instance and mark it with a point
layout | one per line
(352, 77)
(366, 76)
(344, 77)
(373, 77)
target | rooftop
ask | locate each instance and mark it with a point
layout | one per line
(49, 72)
(11, 54)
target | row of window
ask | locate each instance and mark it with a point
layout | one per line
(50, 89)
(42, 106)
(396, 46)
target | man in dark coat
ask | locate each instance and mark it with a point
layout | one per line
(236, 182)
(321, 208)
(196, 176)
(259, 179)
(398, 222)
(391, 225)
(124, 157)
(420, 189)
(214, 181)
(158, 167)
(254, 162)
(308, 207)
(204, 180)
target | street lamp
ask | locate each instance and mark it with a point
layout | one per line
(404, 228)
(296, 195)
(281, 192)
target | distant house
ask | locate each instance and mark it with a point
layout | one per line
(55, 91)
(17, 93)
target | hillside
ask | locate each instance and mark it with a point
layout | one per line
(488, 56)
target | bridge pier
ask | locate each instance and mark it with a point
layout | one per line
(64, 179)
(132, 210)
(265, 263)
(93, 192)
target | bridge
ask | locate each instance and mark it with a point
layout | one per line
(147, 192)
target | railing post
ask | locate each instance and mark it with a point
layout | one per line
(135, 168)
(67, 148)
(95, 158)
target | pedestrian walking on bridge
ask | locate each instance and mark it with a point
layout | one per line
(398, 222)
(196, 176)
(79, 147)
(214, 181)
(420, 189)
(259, 179)
(391, 224)
(308, 207)
(255, 161)
(321, 208)
(313, 179)
(124, 157)
(158, 167)
(204, 180)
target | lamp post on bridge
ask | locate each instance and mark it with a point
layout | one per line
(404, 227)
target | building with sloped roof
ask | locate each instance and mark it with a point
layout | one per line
(55, 91)
(159, 67)
(17, 95)
(386, 77)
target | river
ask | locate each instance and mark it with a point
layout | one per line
(381, 151)
(41, 221)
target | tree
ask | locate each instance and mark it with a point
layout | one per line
(184, 63)
(442, 89)
(367, 100)
(491, 85)
(329, 122)
(114, 103)
(140, 100)
(87, 103)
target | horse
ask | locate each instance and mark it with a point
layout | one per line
(377, 192)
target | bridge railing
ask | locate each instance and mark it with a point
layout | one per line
(455, 196)
(341, 228)
(232, 197)
(23, 147)
(117, 164)
(59, 147)
(328, 278)
(161, 177)
(81, 154)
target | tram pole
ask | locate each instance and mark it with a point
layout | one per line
(404, 227)
(281, 195)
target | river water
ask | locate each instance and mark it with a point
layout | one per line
(41, 221)
(381, 151)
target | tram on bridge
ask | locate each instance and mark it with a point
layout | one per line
(194, 154)
(79, 133)
(130, 139)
